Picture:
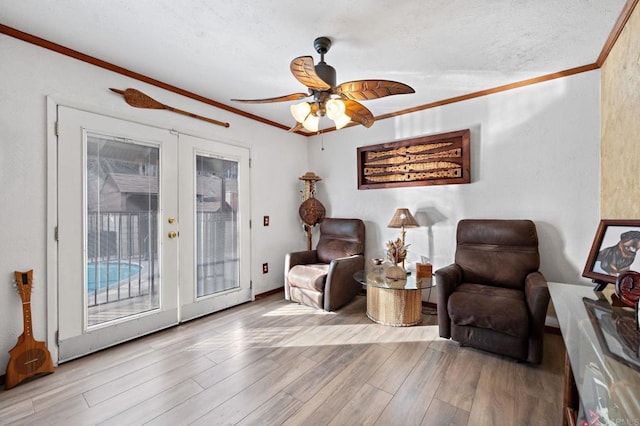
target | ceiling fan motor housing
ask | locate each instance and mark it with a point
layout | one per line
(326, 72)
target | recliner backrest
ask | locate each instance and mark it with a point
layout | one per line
(340, 238)
(497, 252)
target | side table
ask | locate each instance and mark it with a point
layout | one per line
(392, 302)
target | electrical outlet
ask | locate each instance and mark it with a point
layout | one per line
(265, 220)
(265, 268)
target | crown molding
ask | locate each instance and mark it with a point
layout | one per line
(46, 44)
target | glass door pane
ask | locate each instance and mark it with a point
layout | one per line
(216, 201)
(122, 274)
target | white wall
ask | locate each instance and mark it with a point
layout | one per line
(534, 155)
(28, 75)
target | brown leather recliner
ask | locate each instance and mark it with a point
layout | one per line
(323, 278)
(493, 297)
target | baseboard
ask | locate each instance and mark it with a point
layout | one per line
(269, 293)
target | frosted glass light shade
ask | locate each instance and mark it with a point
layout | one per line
(335, 108)
(342, 121)
(300, 111)
(311, 123)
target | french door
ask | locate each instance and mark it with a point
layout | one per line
(212, 178)
(151, 229)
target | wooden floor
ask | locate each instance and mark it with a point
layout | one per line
(274, 362)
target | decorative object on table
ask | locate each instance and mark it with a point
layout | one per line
(628, 287)
(311, 210)
(337, 102)
(424, 270)
(28, 357)
(613, 251)
(427, 160)
(377, 264)
(402, 218)
(137, 99)
(396, 253)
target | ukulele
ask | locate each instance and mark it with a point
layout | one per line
(28, 357)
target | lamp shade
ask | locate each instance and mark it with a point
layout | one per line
(403, 218)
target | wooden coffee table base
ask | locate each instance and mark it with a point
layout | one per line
(395, 307)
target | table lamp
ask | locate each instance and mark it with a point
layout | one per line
(402, 218)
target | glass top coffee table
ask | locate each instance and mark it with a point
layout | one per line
(392, 302)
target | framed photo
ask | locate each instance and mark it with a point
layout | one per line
(614, 250)
(427, 160)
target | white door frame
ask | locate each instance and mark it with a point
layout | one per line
(52, 221)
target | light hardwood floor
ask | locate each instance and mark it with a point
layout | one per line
(274, 362)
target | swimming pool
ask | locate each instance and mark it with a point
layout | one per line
(98, 273)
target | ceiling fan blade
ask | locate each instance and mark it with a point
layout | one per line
(304, 71)
(285, 98)
(362, 90)
(358, 113)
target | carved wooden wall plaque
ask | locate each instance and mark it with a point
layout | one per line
(427, 160)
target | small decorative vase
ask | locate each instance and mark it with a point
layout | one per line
(396, 272)
(377, 265)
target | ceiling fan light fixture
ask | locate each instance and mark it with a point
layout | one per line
(300, 111)
(311, 123)
(336, 111)
(335, 108)
(342, 121)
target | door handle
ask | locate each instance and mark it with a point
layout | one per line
(173, 234)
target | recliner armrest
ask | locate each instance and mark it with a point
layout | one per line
(341, 287)
(536, 293)
(297, 258)
(447, 279)
(300, 258)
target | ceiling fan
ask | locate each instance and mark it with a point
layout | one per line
(338, 102)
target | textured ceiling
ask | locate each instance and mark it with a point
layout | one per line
(242, 49)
